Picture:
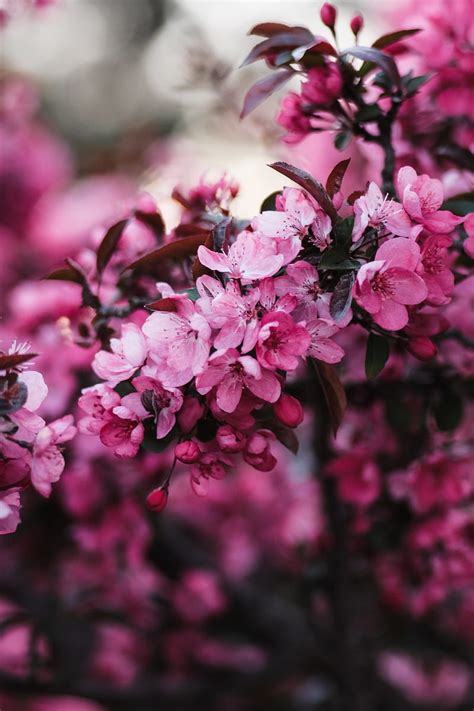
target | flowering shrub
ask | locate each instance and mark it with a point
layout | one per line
(199, 359)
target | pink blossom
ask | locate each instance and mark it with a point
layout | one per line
(438, 278)
(289, 410)
(375, 210)
(301, 281)
(179, 342)
(321, 346)
(387, 285)
(422, 197)
(97, 402)
(198, 596)
(9, 511)
(232, 373)
(48, 462)
(281, 341)
(162, 402)
(230, 440)
(247, 259)
(209, 466)
(234, 314)
(292, 118)
(287, 226)
(323, 86)
(257, 450)
(124, 431)
(128, 354)
(358, 478)
(187, 452)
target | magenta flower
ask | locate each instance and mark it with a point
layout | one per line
(123, 431)
(469, 242)
(48, 462)
(422, 197)
(323, 86)
(179, 342)
(209, 466)
(292, 118)
(375, 210)
(322, 347)
(232, 373)
(97, 402)
(281, 341)
(9, 511)
(163, 402)
(128, 354)
(387, 285)
(250, 257)
(438, 278)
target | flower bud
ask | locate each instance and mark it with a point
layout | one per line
(328, 15)
(230, 440)
(157, 499)
(288, 410)
(422, 348)
(190, 414)
(257, 451)
(187, 452)
(357, 23)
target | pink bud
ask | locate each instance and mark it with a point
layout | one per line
(328, 15)
(357, 24)
(190, 414)
(422, 348)
(230, 440)
(187, 452)
(288, 410)
(157, 499)
(257, 451)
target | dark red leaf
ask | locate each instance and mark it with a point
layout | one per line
(268, 29)
(198, 268)
(163, 305)
(336, 176)
(392, 37)
(191, 230)
(284, 40)
(109, 244)
(310, 184)
(178, 249)
(375, 57)
(355, 196)
(65, 274)
(334, 393)
(153, 220)
(321, 46)
(264, 88)
(13, 360)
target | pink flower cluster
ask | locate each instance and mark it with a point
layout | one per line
(30, 451)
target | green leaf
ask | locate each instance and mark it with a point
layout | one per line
(461, 204)
(376, 355)
(342, 140)
(337, 258)
(448, 408)
(270, 202)
(412, 84)
(193, 294)
(368, 113)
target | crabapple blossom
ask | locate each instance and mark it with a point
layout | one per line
(375, 210)
(387, 285)
(422, 197)
(128, 354)
(247, 259)
(281, 341)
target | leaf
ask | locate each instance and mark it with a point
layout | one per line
(375, 56)
(178, 249)
(318, 47)
(286, 436)
(109, 244)
(296, 37)
(412, 84)
(336, 176)
(65, 274)
(13, 360)
(13, 398)
(368, 113)
(461, 204)
(166, 304)
(310, 184)
(448, 410)
(337, 258)
(341, 299)
(264, 88)
(270, 202)
(355, 196)
(333, 391)
(190, 230)
(153, 220)
(342, 140)
(193, 294)
(392, 37)
(376, 355)
(269, 29)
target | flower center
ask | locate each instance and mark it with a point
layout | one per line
(382, 286)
